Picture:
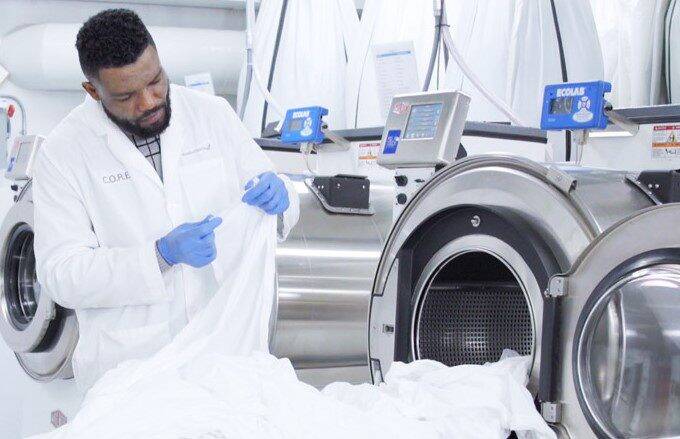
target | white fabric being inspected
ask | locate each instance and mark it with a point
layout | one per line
(217, 380)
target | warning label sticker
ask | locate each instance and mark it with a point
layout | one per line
(666, 142)
(368, 154)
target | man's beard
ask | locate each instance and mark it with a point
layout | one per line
(134, 128)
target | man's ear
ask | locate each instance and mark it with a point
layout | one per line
(89, 88)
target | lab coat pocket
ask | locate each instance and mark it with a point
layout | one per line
(206, 186)
(116, 346)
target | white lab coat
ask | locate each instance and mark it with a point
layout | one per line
(100, 206)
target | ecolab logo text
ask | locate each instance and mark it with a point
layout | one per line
(297, 114)
(573, 91)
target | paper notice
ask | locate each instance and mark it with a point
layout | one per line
(368, 154)
(666, 142)
(396, 71)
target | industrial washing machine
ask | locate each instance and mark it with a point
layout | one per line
(326, 267)
(577, 268)
(39, 335)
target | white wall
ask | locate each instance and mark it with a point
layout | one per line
(46, 109)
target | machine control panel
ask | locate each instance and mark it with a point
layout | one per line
(22, 156)
(575, 106)
(423, 130)
(303, 125)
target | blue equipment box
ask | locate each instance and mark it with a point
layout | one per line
(303, 125)
(575, 106)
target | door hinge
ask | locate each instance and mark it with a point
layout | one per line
(557, 287)
(551, 411)
(564, 182)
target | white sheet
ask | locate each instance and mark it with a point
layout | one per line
(512, 46)
(311, 62)
(631, 35)
(216, 380)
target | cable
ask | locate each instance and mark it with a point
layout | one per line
(249, 72)
(435, 44)
(306, 155)
(248, 82)
(250, 24)
(21, 108)
(467, 71)
(272, 68)
(670, 13)
(565, 76)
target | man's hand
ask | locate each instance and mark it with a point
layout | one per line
(268, 192)
(191, 243)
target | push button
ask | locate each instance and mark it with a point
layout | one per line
(401, 180)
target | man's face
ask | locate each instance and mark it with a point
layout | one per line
(136, 97)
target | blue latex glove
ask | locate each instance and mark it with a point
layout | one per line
(269, 193)
(191, 243)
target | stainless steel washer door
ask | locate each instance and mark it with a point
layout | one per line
(42, 334)
(628, 356)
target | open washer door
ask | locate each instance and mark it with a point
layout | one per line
(621, 344)
(42, 334)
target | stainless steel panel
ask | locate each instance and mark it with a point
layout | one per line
(605, 197)
(325, 273)
(424, 152)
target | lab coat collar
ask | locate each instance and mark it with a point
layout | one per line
(124, 150)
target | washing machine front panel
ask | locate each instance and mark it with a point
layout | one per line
(41, 334)
(621, 373)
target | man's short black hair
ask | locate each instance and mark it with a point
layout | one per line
(112, 38)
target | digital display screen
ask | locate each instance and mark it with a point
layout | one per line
(423, 121)
(296, 124)
(561, 105)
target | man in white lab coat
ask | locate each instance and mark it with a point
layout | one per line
(128, 189)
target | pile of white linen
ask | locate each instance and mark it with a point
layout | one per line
(217, 380)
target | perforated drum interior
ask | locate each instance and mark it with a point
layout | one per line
(473, 307)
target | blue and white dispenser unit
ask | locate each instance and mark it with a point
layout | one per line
(581, 107)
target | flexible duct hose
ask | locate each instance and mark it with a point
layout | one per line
(252, 71)
(474, 79)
